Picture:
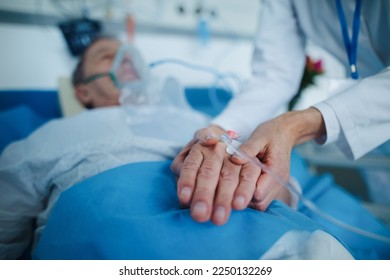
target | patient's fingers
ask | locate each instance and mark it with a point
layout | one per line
(227, 185)
(177, 163)
(188, 173)
(207, 136)
(206, 182)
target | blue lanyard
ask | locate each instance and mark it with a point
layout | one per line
(350, 45)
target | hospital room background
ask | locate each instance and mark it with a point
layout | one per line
(194, 41)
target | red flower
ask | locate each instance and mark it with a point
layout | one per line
(312, 69)
(314, 66)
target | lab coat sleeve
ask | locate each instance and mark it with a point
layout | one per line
(21, 196)
(277, 67)
(363, 114)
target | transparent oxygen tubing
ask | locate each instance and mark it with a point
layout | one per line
(233, 149)
(219, 76)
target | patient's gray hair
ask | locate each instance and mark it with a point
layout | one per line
(78, 73)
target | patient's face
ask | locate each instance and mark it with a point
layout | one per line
(98, 59)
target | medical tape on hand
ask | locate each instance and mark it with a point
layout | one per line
(232, 145)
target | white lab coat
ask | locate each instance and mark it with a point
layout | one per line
(358, 118)
(34, 171)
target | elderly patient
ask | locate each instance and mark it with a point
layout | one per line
(34, 171)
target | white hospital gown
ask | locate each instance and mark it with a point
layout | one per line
(34, 171)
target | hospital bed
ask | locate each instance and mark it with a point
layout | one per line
(131, 212)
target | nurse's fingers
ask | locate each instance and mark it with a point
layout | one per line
(249, 176)
(266, 190)
(206, 182)
(250, 171)
(228, 181)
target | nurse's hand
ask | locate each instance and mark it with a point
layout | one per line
(272, 143)
(209, 182)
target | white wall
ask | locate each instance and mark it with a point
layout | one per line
(223, 55)
(34, 57)
(232, 16)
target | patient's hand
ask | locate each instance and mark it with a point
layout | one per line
(209, 182)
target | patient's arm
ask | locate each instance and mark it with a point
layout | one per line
(20, 200)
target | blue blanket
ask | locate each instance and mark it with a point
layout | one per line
(334, 200)
(132, 212)
(17, 123)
